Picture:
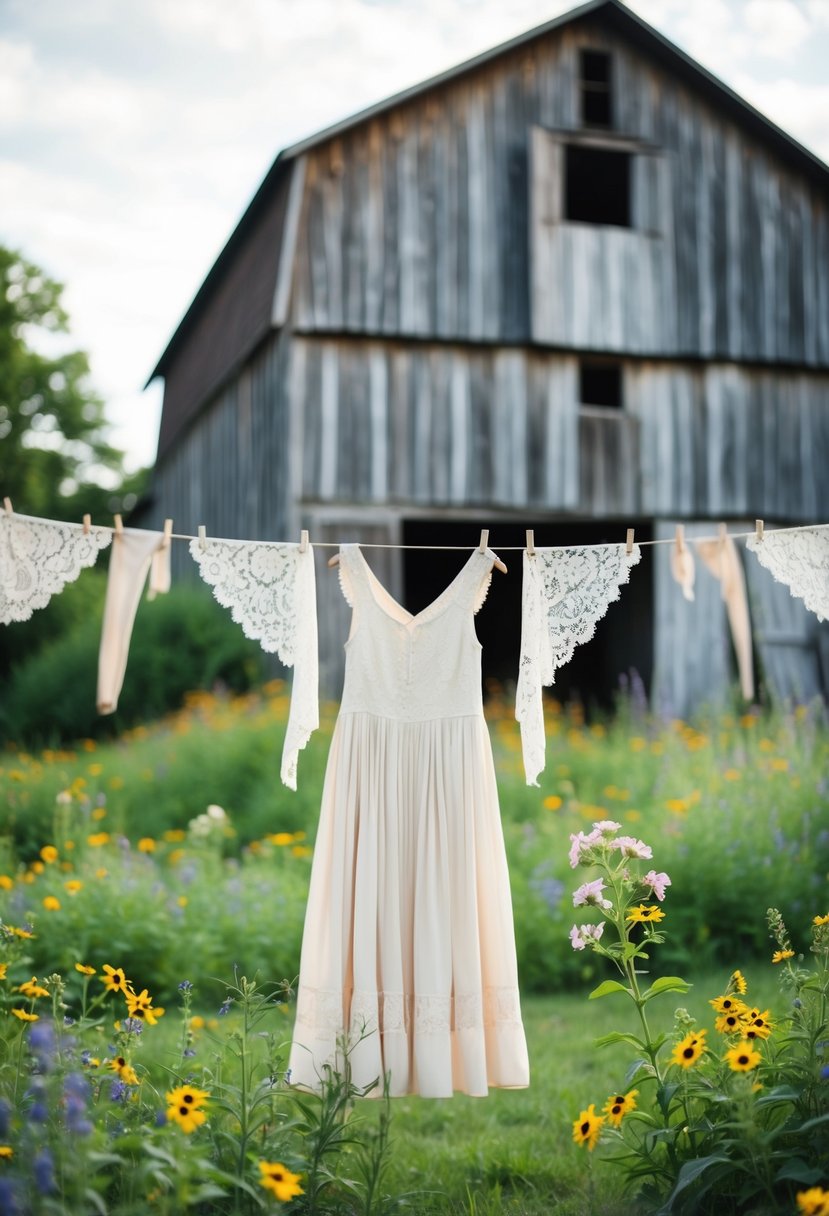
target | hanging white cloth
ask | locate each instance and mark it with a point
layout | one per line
(270, 589)
(683, 570)
(565, 592)
(723, 560)
(38, 557)
(800, 560)
(135, 554)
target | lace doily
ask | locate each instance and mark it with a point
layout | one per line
(38, 557)
(799, 560)
(565, 592)
(270, 590)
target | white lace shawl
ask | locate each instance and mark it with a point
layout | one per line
(800, 560)
(270, 589)
(565, 592)
(38, 557)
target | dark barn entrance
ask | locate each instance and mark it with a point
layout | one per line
(623, 640)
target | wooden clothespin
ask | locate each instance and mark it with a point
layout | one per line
(722, 533)
(484, 545)
(119, 525)
(87, 524)
(530, 542)
(7, 506)
(758, 529)
(680, 538)
(202, 537)
(303, 541)
(334, 561)
(168, 533)
(629, 542)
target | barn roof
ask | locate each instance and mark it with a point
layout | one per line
(617, 17)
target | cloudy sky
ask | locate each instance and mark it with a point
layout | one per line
(134, 132)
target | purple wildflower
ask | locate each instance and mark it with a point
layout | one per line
(225, 1007)
(580, 842)
(43, 1168)
(133, 1026)
(631, 847)
(590, 893)
(118, 1091)
(8, 1198)
(583, 935)
(43, 1044)
(657, 883)
(185, 986)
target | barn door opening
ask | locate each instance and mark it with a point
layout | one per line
(623, 641)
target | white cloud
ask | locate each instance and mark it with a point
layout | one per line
(779, 27)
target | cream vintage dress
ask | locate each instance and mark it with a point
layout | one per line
(409, 948)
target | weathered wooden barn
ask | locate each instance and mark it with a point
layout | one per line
(574, 284)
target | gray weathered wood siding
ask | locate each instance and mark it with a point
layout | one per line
(436, 219)
(392, 422)
(232, 471)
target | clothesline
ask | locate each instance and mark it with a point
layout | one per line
(759, 531)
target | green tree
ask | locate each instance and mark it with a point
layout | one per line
(54, 452)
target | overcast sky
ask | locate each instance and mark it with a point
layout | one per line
(134, 132)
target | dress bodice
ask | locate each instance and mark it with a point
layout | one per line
(413, 667)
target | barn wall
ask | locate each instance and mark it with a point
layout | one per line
(436, 219)
(231, 471)
(449, 426)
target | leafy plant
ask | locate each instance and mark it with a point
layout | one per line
(734, 1124)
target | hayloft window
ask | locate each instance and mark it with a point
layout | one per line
(600, 384)
(596, 92)
(597, 186)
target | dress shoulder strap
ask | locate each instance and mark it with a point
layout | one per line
(477, 578)
(350, 570)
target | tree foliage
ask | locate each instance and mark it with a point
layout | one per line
(54, 454)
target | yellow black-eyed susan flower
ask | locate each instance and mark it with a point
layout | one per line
(814, 1202)
(688, 1050)
(3, 969)
(279, 1180)
(619, 1105)
(25, 1016)
(140, 1006)
(821, 920)
(742, 1057)
(758, 1026)
(115, 980)
(51, 903)
(6, 1151)
(125, 1071)
(587, 1128)
(780, 956)
(731, 1023)
(49, 853)
(645, 913)
(32, 988)
(739, 982)
(84, 969)
(184, 1107)
(728, 1004)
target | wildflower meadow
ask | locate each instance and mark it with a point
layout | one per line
(152, 896)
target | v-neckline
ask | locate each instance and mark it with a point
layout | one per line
(411, 618)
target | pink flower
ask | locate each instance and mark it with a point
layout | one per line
(591, 893)
(580, 843)
(583, 935)
(657, 883)
(631, 847)
(606, 826)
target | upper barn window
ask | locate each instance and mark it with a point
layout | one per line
(597, 186)
(596, 89)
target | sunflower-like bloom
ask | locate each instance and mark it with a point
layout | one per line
(125, 1071)
(32, 988)
(619, 1105)
(728, 1004)
(587, 1128)
(115, 980)
(140, 1005)
(758, 1026)
(84, 969)
(25, 1016)
(742, 1057)
(688, 1050)
(185, 1107)
(814, 1202)
(780, 956)
(645, 913)
(279, 1180)
(732, 1023)
(739, 982)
